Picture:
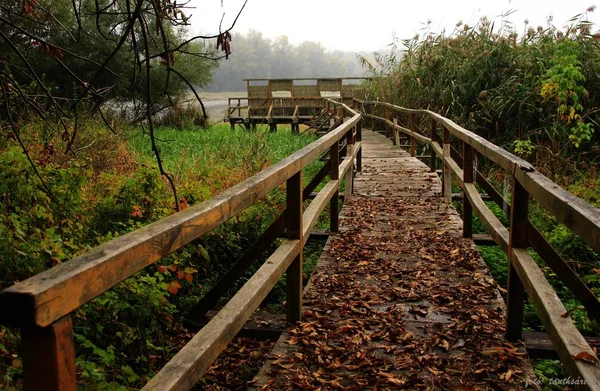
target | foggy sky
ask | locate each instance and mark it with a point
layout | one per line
(368, 25)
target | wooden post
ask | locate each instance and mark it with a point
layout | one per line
(396, 136)
(334, 173)
(517, 239)
(387, 117)
(349, 179)
(433, 139)
(359, 154)
(294, 231)
(49, 357)
(372, 118)
(447, 183)
(467, 178)
(413, 126)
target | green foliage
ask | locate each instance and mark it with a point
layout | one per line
(539, 89)
(523, 148)
(130, 331)
(563, 85)
(36, 230)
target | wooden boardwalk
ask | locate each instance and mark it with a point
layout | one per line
(399, 300)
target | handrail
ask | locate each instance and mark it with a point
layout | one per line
(525, 275)
(41, 305)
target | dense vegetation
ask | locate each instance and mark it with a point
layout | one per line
(128, 333)
(258, 57)
(537, 95)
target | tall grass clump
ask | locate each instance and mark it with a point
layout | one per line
(536, 93)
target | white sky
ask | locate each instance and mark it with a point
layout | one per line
(368, 25)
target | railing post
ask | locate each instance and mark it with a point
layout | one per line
(447, 183)
(433, 139)
(373, 118)
(334, 173)
(387, 127)
(349, 180)
(396, 140)
(413, 127)
(294, 231)
(49, 357)
(359, 139)
(517, 239)
(467, 178)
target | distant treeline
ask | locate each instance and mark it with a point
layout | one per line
(254, 56)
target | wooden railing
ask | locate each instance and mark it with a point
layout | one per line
(525, 276)
(41, 306)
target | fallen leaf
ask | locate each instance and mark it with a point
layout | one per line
(587, 357)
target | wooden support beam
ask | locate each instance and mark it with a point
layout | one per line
(467, 178)
(349, 179)
(294, 232)
(447, 182)
(517, 240)
(539, 345)
(396, 139)
(359, 140)
(413, 128)
(484, 240)
(334, 174)
(49, 357)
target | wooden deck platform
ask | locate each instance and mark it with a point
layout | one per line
(399, 300)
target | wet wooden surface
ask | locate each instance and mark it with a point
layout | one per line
(399, 300)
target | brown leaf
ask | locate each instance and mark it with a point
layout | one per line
(445, 345)
(587, 357)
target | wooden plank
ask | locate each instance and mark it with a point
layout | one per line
(565, 337)
(49, 357)
(294, 220)
(190, 364)
(50, 295)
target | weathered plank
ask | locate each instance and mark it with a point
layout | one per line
(49, 357)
